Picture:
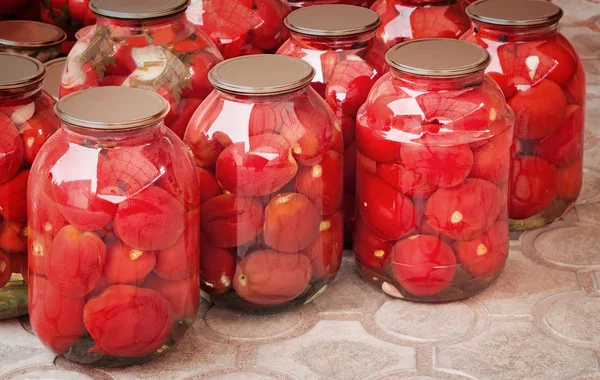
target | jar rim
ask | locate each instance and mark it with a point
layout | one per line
(30, 34)
(138, 9)
(516, 13)
(20, 72)
(112, 108)
(438, 57)
(332, 20)
(261, 75)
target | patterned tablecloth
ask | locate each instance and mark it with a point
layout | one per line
(540, 321)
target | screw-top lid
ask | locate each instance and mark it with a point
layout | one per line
(54, 70)
(438, 57)
(30, 34)
(138, 9)
(18, 71)
(515, 12)
(332, 20)
(261, 75)
(112, 108)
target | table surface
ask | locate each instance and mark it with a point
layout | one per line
(539, 321)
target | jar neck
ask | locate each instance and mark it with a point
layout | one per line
(513, 33)
(354, 42)
(18, 96)
(175, 24)
(424, 83)
(107, 138)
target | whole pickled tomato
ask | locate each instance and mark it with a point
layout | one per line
(325, 252)
(183, 295)
(217, 267)
(181, 260)
(353, 79)
(323, 183)
(491, 161)
(11, 149)
(128, 321)
(485, 255)
(125, 265)
(569, 180)
(532, 186)
(210, 187)
(13, 198)
(13, 237)
(36, 131)
(125, 168)
(370, 250)
(565, 144)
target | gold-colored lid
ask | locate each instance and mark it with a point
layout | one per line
(438, 57)
(138, 9)
(112, 108)
(18, 71)
(332, 20)
(30, 34)
(54, 70)
(515, 12)
(261, 75)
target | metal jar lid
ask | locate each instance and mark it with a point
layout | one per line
(261, 75)
(332, 20)
(438, 57)
(112, 108)
(30, 34)
(20, 72)
(54, 70)
(515, 12)
(138, 9)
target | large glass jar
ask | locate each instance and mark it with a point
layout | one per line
(403, 20)
(114, 221)
(241, 27)
(544, 83)
(295, 4)
(338, 41)
(35, 39)
(148, 45)
(433, 160)
(26, 122)
(69, 15)
(270, 160)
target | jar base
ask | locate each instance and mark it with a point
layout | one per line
(555, 211)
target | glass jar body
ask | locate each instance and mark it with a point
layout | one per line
(403, 20)
(114, 244)
(26, 122)
(241, 27)
(164, 55)
(543, 81)
(271, 174)
(346, 69)
(432, 174)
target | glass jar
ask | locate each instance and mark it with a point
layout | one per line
(433, 159)
(35, 39)
(114, 219)
(241, 27)
(270, 160)
(338, 41)
(26, 122)
(411, 19)
(295, 4)
(543, 81)
(54, 70)
(69, 15)
(151, 46)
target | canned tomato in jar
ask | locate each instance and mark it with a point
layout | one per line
(432, 176)
(270, 157)
(34, 39)
(113, 205)
(543, 81)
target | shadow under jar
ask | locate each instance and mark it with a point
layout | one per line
(270, 160)
(146, 44)
(338, 41)
(543, 81)
(432, 174)
(113, 210)
(26, 121)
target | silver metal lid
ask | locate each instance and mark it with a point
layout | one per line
(54, 70)
(112, 108)
(438, 57)
(332, 20)
(18, 71)
(515, 12)
(261, 75)
(30, 34)
(138, 9)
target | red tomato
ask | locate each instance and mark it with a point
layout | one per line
(200, 66)
(485, 255)
(181, 260)
(11, 149)
(128, 321)
(538, 110)
(291, 222)
(183, 295)
(532, 186)
(270, 32)
(78, 9)
(125, 265)
(385, 209)
(370, 250)
(271, 277)
(568, 181)
(438, 22)
(413, 182)
(5, 269)
(13, 198)
(260, 167)
(563, 58)
(565, 144)
(373, 139)
(323, 183)
(465, 211)
(122, 62)
(575, 88)
(268, 118)
(492, 160)
(209, 187)
(150, 220)
(125, 168)
(40, 130)
(325, 252)
(230, 221)
(423, 265)
(217, 267)
(505, 83)
(56, 319)
(13, 237)
(349, 86)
